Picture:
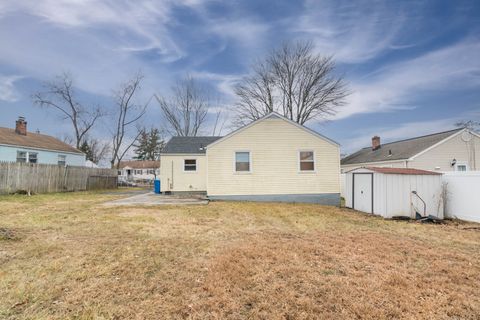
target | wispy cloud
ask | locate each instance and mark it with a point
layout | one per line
(404, 131)
(353, 32)
(224, 82)
(395, 87)
(7, 88)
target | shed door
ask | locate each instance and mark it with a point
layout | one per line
(362, 192)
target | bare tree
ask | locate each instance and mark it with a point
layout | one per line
(294, 81)
(127, 113)
(220, 120)
(186, 111)
(60, 95)
(95, 149)
(468, 124)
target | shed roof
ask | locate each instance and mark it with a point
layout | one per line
(188, 145)
(402, 171)
(398, 150)
(34, 140)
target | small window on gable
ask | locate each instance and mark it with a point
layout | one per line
(307, 161)
(62, 160)
(462, 167)
(32, 157)
(21, 156)
(190, 165)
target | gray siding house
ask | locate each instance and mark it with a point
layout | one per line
(454, 150)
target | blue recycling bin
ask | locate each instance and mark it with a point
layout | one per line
(156, 185)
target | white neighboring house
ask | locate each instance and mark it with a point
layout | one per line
(139, 170)
(454, 150)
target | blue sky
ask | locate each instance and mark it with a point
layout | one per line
(413, 66)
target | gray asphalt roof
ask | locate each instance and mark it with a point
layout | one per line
(188, 145)
(400, 150)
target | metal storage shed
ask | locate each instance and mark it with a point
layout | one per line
(391, 192)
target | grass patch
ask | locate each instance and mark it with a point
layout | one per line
(74, 258)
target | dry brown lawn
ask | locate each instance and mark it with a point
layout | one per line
(67, 256)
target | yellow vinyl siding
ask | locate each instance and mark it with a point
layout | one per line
(274, 146)
(181, 180)
(442, 155)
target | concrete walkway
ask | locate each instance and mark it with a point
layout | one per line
(152, 199)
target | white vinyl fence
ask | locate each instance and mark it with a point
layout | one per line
(463, 195)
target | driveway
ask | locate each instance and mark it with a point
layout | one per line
(152, 199)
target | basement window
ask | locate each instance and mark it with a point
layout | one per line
(190, 165)
(242, 161)
(307, 161)
(21, 156)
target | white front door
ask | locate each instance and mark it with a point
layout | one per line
(362, 192)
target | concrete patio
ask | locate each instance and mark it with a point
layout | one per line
(152, 199)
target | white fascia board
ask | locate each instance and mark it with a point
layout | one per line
(436, 144)
(271, 114)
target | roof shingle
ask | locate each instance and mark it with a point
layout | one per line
(398, 150)
(188, 145)
(139, 164)
(402, 171)
(34, 140)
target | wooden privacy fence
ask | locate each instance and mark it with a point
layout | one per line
(44, 178)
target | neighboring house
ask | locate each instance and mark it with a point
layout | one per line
(454, 150)
(18, 145)
(271, 159)
(138, 170)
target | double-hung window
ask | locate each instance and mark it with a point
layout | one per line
(62, 160)
(32, 157)
(242, 161)
(307, 161)
(21, 156)
(190, 165)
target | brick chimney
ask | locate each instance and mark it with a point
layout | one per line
(375, 142)
(21, 126)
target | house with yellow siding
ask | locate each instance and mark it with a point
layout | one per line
(271, 159)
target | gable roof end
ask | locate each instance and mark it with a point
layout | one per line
(399, 150)
(274, 114)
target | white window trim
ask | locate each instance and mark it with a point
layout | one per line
(190, 171)
(27, 156)
(250, 167)
(314, 162)
(461, 163)
(64, 159)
